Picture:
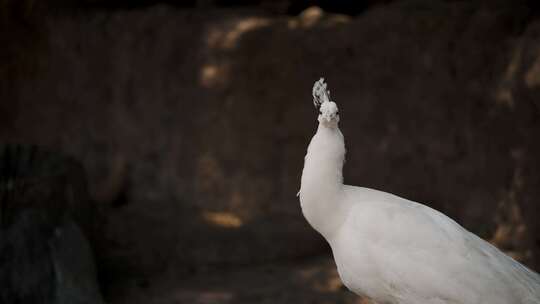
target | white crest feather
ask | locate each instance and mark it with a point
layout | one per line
(320, 93)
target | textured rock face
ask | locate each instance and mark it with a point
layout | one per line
(45, 256)
(193, 125)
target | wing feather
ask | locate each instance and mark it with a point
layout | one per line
(423, 255)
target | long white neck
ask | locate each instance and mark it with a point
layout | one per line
(321, 190)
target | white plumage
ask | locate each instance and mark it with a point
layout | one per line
(394, 250)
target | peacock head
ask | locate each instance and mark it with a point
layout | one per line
(328, 109)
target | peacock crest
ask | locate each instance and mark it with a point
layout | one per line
(320, 93)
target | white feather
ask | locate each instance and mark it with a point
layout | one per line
(394, 250)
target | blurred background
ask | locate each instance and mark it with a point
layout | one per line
(152, 150)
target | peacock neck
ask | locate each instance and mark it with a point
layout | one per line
(321, 190)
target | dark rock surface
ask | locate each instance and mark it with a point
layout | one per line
(193, 125)
(313, 280)
(44, 256)
(75, 271)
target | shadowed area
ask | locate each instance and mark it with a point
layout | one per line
(192, 121)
